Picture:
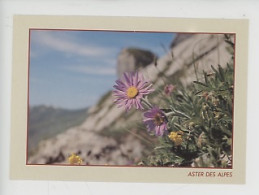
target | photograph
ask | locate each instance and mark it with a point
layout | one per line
(118, 98)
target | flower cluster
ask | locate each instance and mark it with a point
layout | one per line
(176, 137)
(131, 91)
(74, 159)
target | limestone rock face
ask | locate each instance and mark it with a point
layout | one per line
(179, 38)
(92, 148)
(108, 135)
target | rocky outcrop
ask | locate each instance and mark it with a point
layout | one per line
(131, 59)
(109, 135)
(92, 148)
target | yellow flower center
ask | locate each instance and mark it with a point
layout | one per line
(132, 92)
(158, 119)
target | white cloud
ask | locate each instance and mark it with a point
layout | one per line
(68, 45)
(33, 54)
(93, 70)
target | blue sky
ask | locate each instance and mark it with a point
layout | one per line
(73, 69)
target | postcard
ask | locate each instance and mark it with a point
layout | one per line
(129, 99)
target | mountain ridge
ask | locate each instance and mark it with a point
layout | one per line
(48, 121)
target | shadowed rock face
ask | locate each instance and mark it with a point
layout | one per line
(104, 138)
(131, 59)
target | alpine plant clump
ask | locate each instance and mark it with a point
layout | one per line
(193, 125)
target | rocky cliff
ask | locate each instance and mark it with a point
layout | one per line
(111, 136)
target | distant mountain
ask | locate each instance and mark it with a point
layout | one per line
(47, 121)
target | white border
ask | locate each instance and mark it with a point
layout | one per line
(19, 112)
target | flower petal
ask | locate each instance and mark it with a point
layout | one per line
(127, 79)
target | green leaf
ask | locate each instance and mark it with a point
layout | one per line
(199, 83)
(221, 73)
(205, 77)
(214, 69)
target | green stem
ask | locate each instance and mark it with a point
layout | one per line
(177, 112)
(146, 102)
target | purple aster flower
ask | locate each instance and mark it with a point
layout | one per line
(131, 90)
(155, 120)
(169, 89)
